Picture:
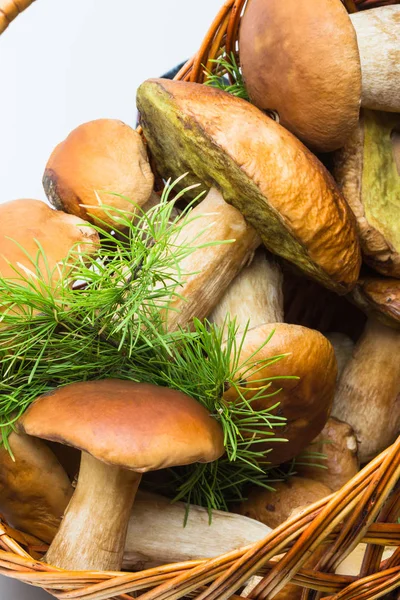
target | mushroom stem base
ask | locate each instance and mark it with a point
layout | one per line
(93, 530)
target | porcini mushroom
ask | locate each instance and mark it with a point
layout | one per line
(367, 170)
(157, 532)
(281, 189)
(34, 488)
(368, 393)
(343, 346)
(39, 242)
(208, 271)
(255, 296)
(123, 429)
(338, 443)
(274, 507)
(313, 64)
(100, 169)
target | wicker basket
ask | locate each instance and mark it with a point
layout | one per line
(366, 510)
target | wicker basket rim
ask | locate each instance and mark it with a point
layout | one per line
(365, 509)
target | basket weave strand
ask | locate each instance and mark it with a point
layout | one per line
(320, 522)
(10, 9)
(365, 510)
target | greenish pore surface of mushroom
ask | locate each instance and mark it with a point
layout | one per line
(381, 178)
(260, 168)
(367, 170)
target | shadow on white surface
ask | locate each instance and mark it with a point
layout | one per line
(67, 62)
(15, 590)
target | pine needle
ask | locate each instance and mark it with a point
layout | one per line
(227, 76)
(109, 326)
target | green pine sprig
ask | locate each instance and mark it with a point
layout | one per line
(103, 320)
(205, 363)
(227, 76)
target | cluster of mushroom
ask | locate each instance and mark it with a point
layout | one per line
(265, 188)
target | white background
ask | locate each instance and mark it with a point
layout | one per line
(65, 62)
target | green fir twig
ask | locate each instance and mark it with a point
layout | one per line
(227, 76)
(110, 325)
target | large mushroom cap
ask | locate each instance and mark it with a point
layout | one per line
(32, 235)
(305, 402)
(97, 161)
(300, 58)
(260, 168)
(138, 426)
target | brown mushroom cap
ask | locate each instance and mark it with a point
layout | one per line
(273, 507)
(301, 59)
(34, 488)
(305, 402)
(259, 167)
(338, 443)
(27, 226)
(367, 170)
(96, 161)
(137, 426)
(380, 298)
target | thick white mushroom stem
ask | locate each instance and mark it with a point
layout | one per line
(368, 394)
(343, 346)
(157, 533)
(104, 494)
(254, 297)
(208, 271)
(378, 38)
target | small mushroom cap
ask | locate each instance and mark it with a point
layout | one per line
(273, 507)
(367, 170)
(138, 426)
(281, 189)
(96, 161)
(301, 59)
(305, 402)
(338, 443)
(34, 488)
(380, 298)
(26, 226)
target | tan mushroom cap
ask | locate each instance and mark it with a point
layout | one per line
(137, 426)
(260, 168)
(34, 488)
(274, 507)
(380, 298)
(305, 402)
(27, 226)
(96, 161)
(301, 59)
